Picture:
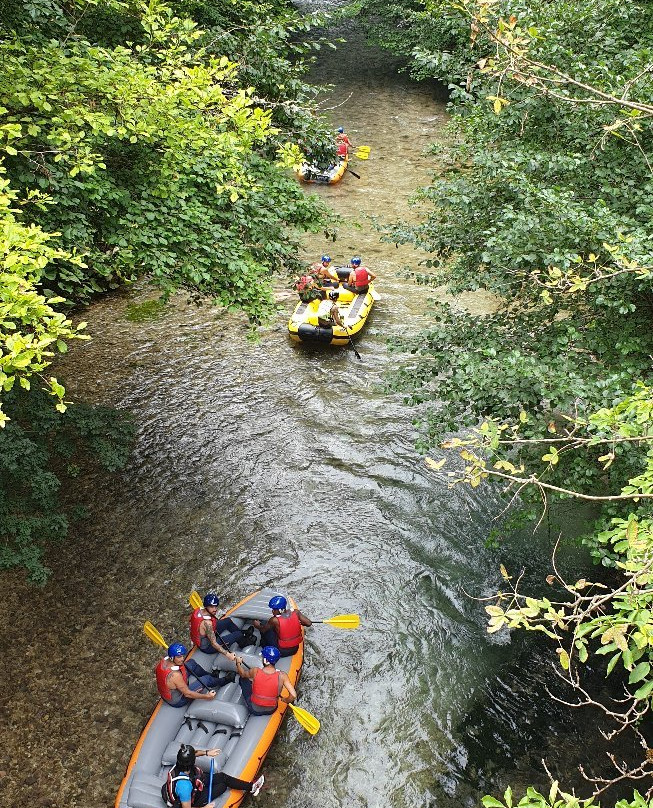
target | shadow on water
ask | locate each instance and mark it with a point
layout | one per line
(272, 464)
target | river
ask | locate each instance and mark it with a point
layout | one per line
(272, 464)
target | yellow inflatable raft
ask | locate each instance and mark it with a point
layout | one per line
(311, 173)
(354, 309)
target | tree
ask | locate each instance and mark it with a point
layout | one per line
(544, 200)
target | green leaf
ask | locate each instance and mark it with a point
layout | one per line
(645, 690)
(639, 672)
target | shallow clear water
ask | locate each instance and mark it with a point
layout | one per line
(271, 463)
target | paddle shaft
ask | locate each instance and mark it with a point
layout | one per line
(358, 176)
(358, 356)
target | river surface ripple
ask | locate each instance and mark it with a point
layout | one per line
(272, 464)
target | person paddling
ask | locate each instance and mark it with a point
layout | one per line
(262, 687)
(187, 786)
(322, 271)
(172, 678)
(205, 629)
(359, 278)
(328, 313)
(284, 628)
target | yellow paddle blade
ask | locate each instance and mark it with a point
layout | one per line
(364, 148)
(344, 621)
(362, 155)
(308, 721)
(154, 635)
(195, 600)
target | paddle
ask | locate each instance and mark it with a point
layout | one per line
(351, 341)
(195, 600)
(342, 621)
(154, 635)
(211, 778)
(358, 176)
(308, 721)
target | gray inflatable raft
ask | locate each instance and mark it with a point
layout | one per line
(223, 722)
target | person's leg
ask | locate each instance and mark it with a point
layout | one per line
(234, 782)
(204, 678)
(227, 624)
(269, 637)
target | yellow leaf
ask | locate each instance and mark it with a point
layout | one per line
(497, 106)
(504, 573)
(436, 465)
(564, 658)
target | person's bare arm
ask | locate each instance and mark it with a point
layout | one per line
(178, 681)
(213, 639)
(302, 617)
(284, 681)
(244, 674)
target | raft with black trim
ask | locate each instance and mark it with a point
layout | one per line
(354, 309)
(223, 722)
(311, 173)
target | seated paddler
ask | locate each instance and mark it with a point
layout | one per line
(172, 682)
(328, 313)
(206, 631)
(284, 628)
(187, 786)
(262, 687)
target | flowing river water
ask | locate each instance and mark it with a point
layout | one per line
(270, 464)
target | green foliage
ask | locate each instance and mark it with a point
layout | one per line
(42, 451)
(558, 799)
(135, 143)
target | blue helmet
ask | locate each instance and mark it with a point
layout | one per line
(211, 600)
(326, 259)
(340, 130)
(355, 261)
(278, 602)
(176, 649)
(271, 654)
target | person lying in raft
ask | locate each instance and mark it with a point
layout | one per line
(262, 686)
(205, 630)
(172, 678)
(323, 273)
(187, 785)
(284, 628)
(359, 278)
(328, 314)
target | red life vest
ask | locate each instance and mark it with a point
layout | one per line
(342, 150)
(362, 277)
(168, 789)
(265, 688)
(290, 630)
(162, 671)
(196, 619)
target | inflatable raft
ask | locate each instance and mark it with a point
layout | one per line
(311, 173)
(354, 309)
(223, 722)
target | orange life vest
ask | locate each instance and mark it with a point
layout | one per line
(162, 671)
(265, 688)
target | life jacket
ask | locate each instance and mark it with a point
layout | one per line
(265, 688)
(168, 788)
(342, 150)
(162, 671)
(196, 619)
(362, 277)
(290, 627)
